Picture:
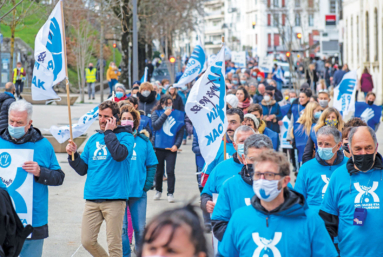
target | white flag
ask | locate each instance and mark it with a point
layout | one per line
(195, 65)
(49, 67)
(344, 93)
(206, 108)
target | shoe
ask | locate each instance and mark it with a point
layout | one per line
(184, 142)
(93, 98)
(189, 137)
(89, 98)
(207, 228)
(171, 198)
(157, 196)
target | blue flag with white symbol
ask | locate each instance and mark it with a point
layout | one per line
(344, 93)
(371, 114)
(196, 64)
(49, 67)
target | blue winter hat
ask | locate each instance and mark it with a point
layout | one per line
(137, 82)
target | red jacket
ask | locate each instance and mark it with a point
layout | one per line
(366, 82)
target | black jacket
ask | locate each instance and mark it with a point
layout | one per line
(158, 122)
(118, 151)
(219, 226)
(6, 99)
(278, 95)
(178, 104)
(309, 150)
(147, 104)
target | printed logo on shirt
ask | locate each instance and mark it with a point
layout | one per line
(247, 201)
(326, 180)
(100, 153)
(267, 247)
(134, 157)
(367, 198)
(5, 160)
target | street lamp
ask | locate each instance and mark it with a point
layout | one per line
(288, 54)
(299, 35)
(254, 23)
(172, 60)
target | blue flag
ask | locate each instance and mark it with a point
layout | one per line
(371, 114)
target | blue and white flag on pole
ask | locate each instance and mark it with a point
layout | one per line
(145, 76)
(49, 68)
(195, 65)
(344, 93)
(206, 108)
(280, 75)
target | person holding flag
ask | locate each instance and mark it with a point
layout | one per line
(369, 112)
(278, 76)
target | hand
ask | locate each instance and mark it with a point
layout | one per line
(111, 124)
(174, 148)
(109, 80)
(280, 123)
(210, 206)
(71, 147)
(32, 167)
(168, 112)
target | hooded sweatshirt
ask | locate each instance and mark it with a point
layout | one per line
(349, 189)
(314, 176)
(289, 230)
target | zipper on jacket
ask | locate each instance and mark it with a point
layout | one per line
(267, 221)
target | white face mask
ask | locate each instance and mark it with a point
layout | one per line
(267, 98)
(266, 190)
(145, 93)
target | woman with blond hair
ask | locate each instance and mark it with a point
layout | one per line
(307, 121)
(330, 117)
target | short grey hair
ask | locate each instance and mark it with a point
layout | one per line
(355, 129)
(22, 106)
(119, 85)
(258, 141)
(330, 131)
(242, 128)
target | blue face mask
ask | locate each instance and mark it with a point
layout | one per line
(259, 79)
(325, 153)
(119, 95)
(168, 107)
(241, 150)
(235, 82)
(243, 82)
(317, 115)
(184, 88)
(16, 132)
(292, 100)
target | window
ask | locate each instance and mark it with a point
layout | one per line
(283, 3)
(276, 20)
(310, 3)
(269, 19)
(269, 40)
(311, 20)
(276, 39)
(297, 3)
(283, 19)
(297, 19)
(268, 3)
(332, 6)
(276, 4)
(376, 35)
(367, 39)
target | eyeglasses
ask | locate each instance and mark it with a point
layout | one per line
(266, 175)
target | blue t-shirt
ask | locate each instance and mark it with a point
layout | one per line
(344, 194)
(294, 232)
(230, 150)
(45, 156)
(106, 177)
(313, 179)
(220, 174)
(143, 156)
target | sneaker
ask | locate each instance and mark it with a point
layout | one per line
(157, 196)
(184, 142)
(171, 198)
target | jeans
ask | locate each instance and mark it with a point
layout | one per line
(279, 85)
(170, 159)
(32, 248)
(111, 85)
(137, 206)
(91, 89)
(19, 87)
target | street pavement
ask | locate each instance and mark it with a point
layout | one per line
(66, 203)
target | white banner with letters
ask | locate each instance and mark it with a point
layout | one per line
(19, 183)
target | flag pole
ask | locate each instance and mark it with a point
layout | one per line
(224, 136)
(112, 96)
(66, 73)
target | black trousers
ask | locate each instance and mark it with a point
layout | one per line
(170, 158)
(19, 87)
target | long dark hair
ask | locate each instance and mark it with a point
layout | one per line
(163, 100)
(176, 218)
(247, 95)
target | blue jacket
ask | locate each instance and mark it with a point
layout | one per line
(257, 99)
(338, 76)
(272, 109)
(290, 230)
(145, 123)
(200, 162)
(313, 179)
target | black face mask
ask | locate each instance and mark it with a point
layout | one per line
(370, 102)
(364, 162)
(345, 147)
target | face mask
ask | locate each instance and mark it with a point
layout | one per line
(145, 93)
(243, 82)
(345, 148)
(323, 103)
(241, 150)
(119, 95)
(317, 115)
(135, 95)
(331, 123)
(127, 123)
(292, 100)
(166, 86)
(269, 81)
(266, 190)
(254, 74)
(370, 102)
(16, 132)
(364, 162)
(325, 153)
(168, 107)
(266, 98)
(184, 88)
(235, 82)
(259, 79)
(18, 68)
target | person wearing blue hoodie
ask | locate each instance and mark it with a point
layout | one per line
(20, 134)
(141, 175)
(235, 118)
(106, 161)
(351, 205)
(277, 222)
(237, 191)
(314, 175)
(226, 169)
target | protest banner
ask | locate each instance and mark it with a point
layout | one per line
(239, 58)
(344, 93)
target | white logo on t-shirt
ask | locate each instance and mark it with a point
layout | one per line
(326, 180)
(267, 247)
(365, 195)
(247, 201)
(100, 153)
(134, 157)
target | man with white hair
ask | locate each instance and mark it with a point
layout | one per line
(46, 171)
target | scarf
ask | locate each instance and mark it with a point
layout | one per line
(244, 105)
